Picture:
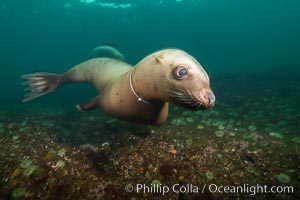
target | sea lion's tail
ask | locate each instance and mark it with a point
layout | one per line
(41, 83)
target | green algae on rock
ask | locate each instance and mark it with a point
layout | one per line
(61, 152)
(60, 164)
(283, 178)
(25, 163)
(209, 175)
(276, 135)
(189, 142)
(15, 138)
(250, 169)
(296, 139)
(219, 133)
(189, 119)
(18, 192)
(155, 182)
(200, 126)
(178, 122)
(231, 133)
(29, 170)
(252, 128)
(221, 127)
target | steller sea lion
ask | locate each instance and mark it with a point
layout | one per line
(138, 94)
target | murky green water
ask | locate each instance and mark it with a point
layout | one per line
(250, 138)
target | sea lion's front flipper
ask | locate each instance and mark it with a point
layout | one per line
(92, 104)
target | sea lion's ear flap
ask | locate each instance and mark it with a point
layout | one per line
(159, 59)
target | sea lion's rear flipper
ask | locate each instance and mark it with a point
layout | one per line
(41, 83)
(92, 104)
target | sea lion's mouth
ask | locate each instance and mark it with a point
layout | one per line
(190, 100)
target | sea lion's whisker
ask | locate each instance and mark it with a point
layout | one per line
(176, 93)
(185, 99)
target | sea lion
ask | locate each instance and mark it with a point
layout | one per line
(137, 94)
(107, 50)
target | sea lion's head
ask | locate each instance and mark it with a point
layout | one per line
(187, 82)
(172, 75)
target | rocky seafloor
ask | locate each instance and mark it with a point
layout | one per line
(251, 137)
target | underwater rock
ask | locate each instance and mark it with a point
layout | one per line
(51, 155)
(167, 169)
(15, 173)
(249, 158)
(283, 178)
(13, 179)
(89, 148)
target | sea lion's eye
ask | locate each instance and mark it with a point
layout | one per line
(180, 72)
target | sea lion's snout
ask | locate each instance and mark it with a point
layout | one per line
(211, 99)
(193, 100)
(205, 98)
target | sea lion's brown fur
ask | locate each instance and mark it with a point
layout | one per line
(153, 80)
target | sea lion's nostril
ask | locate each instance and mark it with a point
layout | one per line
(211, 97)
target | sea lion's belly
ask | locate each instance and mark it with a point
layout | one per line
(119, 102)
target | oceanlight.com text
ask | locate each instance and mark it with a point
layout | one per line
(213, 188)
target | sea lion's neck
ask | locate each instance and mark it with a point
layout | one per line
(149, 83)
